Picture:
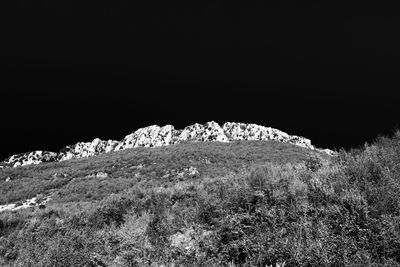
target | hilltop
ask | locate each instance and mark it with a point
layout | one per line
(155, 136)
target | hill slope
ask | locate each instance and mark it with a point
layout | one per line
(247, 203)
(77, 179)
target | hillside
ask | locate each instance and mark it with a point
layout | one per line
(245, 203)
(77, 179)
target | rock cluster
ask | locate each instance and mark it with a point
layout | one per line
(87, 149)
(244, 131)
(29, 203)
(34, 157)
(98, 175)
(184, 172)
(155, 136)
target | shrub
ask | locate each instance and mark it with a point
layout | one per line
(311, 213)
(111, 210)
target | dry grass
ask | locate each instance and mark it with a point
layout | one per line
(249, 206)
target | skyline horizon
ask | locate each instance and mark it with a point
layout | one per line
(72, 74)
(91, 139)
(159, 136)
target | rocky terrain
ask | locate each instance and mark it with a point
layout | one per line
(155, 136)
(29, 203)
(241, 203)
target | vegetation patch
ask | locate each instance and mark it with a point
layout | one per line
(249, 205)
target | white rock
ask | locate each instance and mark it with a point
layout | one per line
(328, 151)
(211, 131)
(155, 136)
(7, 207)
(243, 131)
(192, 171)
(88, 149)
(151, 136)
(34, 157)
(101, 175)
(32, 202)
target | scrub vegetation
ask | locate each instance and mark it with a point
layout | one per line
(247, 204)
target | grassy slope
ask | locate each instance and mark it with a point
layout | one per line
(248, 207)
(68, 181)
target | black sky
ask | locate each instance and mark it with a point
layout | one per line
(73, 73)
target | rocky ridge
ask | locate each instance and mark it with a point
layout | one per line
(155, 136)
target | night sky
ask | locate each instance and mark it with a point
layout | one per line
(73, 73)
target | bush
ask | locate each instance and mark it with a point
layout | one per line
(314, 213)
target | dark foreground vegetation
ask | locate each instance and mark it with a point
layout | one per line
(250, 204)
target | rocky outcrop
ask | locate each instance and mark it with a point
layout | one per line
(244, 131)
(28, 203)
(155, 136)
(34, 157)
(152, 136)
(88, 149)
(210, 131)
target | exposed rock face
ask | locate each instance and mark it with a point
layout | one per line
(155, 136)
(151, 136)
(211, 131)
(34, 157)
(243, 131)
(89, 149)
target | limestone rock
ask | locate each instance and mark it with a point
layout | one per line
(88, 149)
(156, 136)
(152, 136)
(34, 157)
